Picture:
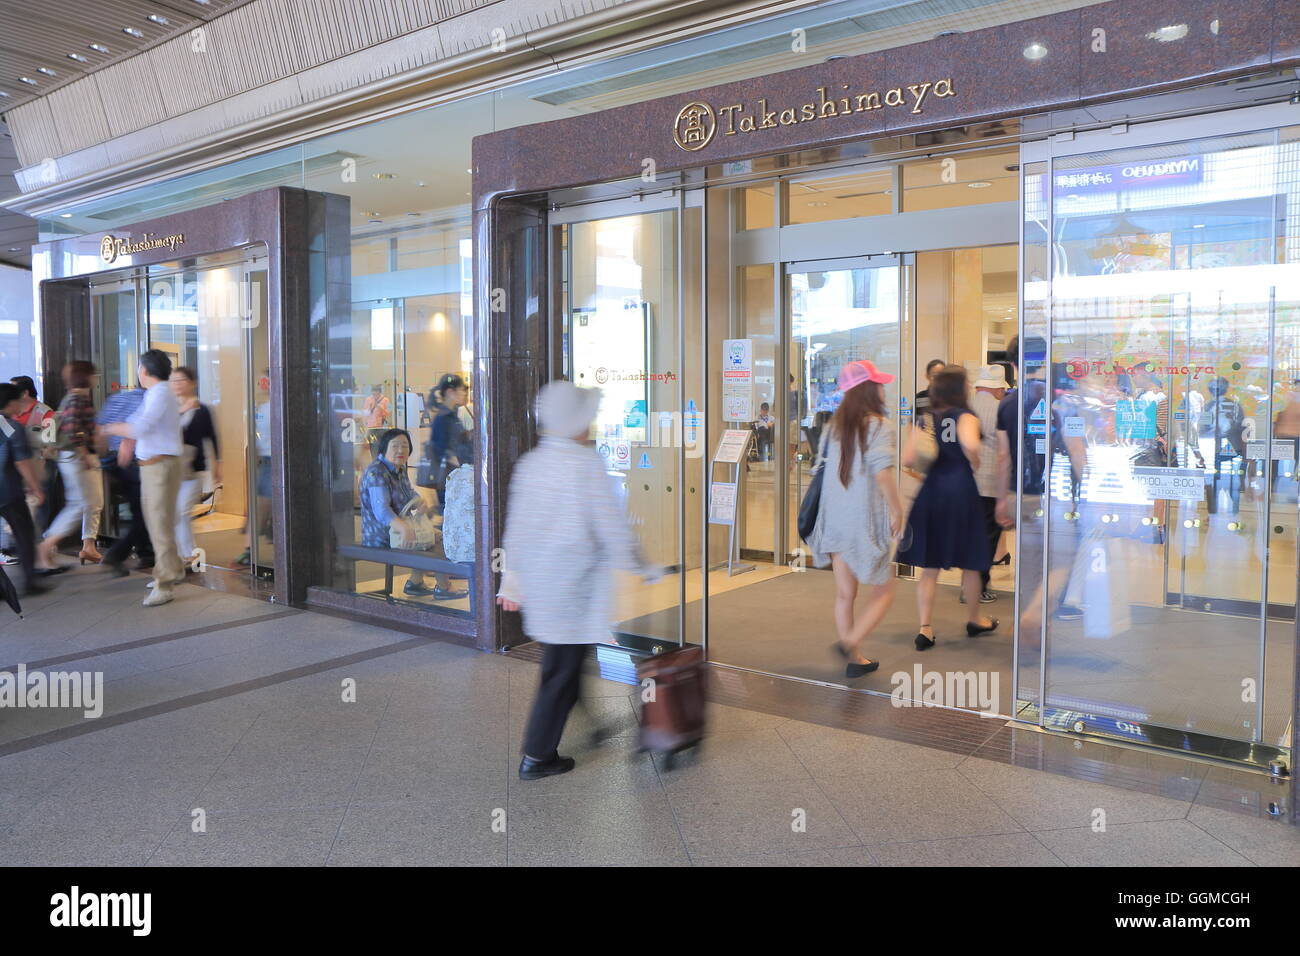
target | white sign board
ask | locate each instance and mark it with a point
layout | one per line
(1171, 484)
(731, 446)
(722, 502)
(1283, 449)
(738, 380)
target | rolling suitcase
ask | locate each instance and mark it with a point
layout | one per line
(672, 701)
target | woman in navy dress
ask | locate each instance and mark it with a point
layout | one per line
(946, 522)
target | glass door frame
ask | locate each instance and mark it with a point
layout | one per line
(1043, 154)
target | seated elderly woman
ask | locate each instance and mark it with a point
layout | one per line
(386, 491)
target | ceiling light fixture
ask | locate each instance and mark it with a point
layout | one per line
(46, 70)
(132, 32)
(27, 79)
(980, 184)
(98, 48)
(65, 215)
(78, 57)
(1035, 51)
(385, 175)
(160, 20)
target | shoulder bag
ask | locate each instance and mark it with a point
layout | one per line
(812, 497)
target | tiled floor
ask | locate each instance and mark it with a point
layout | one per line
(226, 739)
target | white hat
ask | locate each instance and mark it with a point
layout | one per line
(564, 410)
(991, 376)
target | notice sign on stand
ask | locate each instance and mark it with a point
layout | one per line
(722, 502)
(1171, 484)
(1283, 449)
(732, 445)
(738, 380)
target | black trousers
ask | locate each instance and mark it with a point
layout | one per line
(557, 692)
(134, 535)
(994, 530)
(19, 518)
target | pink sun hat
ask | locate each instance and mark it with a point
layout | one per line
(855, 373)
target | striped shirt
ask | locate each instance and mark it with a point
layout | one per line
(118, 407)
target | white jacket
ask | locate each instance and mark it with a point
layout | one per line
(566, 535)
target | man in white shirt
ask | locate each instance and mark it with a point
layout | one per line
(156, 430)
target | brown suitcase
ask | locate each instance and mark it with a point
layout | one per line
(673, 703)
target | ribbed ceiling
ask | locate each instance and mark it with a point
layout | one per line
(43, 34)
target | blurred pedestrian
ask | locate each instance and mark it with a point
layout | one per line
(156, 429)
(859, 514)
(946, 524)
(117, 460)
(990, 388)
(200, 454)
(83, 486)
(566, 535)
(20, 477)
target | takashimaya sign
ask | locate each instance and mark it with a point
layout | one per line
(110, 247)
(698, 122)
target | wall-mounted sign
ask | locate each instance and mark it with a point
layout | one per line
(698, 122)
(1182, 171)
(737, 380)
(1173, 484)
(1284, 449)
(111, 247)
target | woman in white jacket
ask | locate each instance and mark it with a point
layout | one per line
(566, 535)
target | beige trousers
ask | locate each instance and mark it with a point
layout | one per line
(159, 484)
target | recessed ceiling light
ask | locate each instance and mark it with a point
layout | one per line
(27, 79)
(132, 32)
(817, 204)
(1035, 51)
(65, 215)
(370, 214)
(46, 70)
(98, 48)
(78, 57)
(385, 175)
(376, 220)
(981, 184)
(3, 93)
(420, 184)
(160, 20)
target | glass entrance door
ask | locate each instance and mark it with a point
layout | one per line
(1168, 429)
(211, 320)
(626, 320)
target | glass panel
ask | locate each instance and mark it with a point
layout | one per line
(755, 207)
(755, 319)
(261, 555)
(962, 179)
(1167, 381)
(625, 338)
(866, 193)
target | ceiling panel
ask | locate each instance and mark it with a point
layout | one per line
(45, 35)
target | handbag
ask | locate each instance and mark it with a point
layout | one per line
(812, 497)
(428, 472)
(925, 447)
(426, 533)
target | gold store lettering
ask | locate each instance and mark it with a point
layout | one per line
(739, 118)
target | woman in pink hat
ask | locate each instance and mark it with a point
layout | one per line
(860, 514)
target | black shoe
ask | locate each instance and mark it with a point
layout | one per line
(416, 590)
(852, 670)
(48, 572)
(448, 594)
(530, 769)
(922, 642)
(1005, 559)
(1068, 612)
(116, 568)
(974, 630)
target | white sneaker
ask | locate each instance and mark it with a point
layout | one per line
(159, 596)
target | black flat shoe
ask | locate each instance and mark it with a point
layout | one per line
(922, 642)
(860, 670)
(974, 630)
(530, 769)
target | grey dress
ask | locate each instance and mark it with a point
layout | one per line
(853, 522)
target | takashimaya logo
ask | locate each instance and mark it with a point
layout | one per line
(696, 124)
(110, 247)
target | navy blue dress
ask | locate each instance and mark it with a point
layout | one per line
(947, 518)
